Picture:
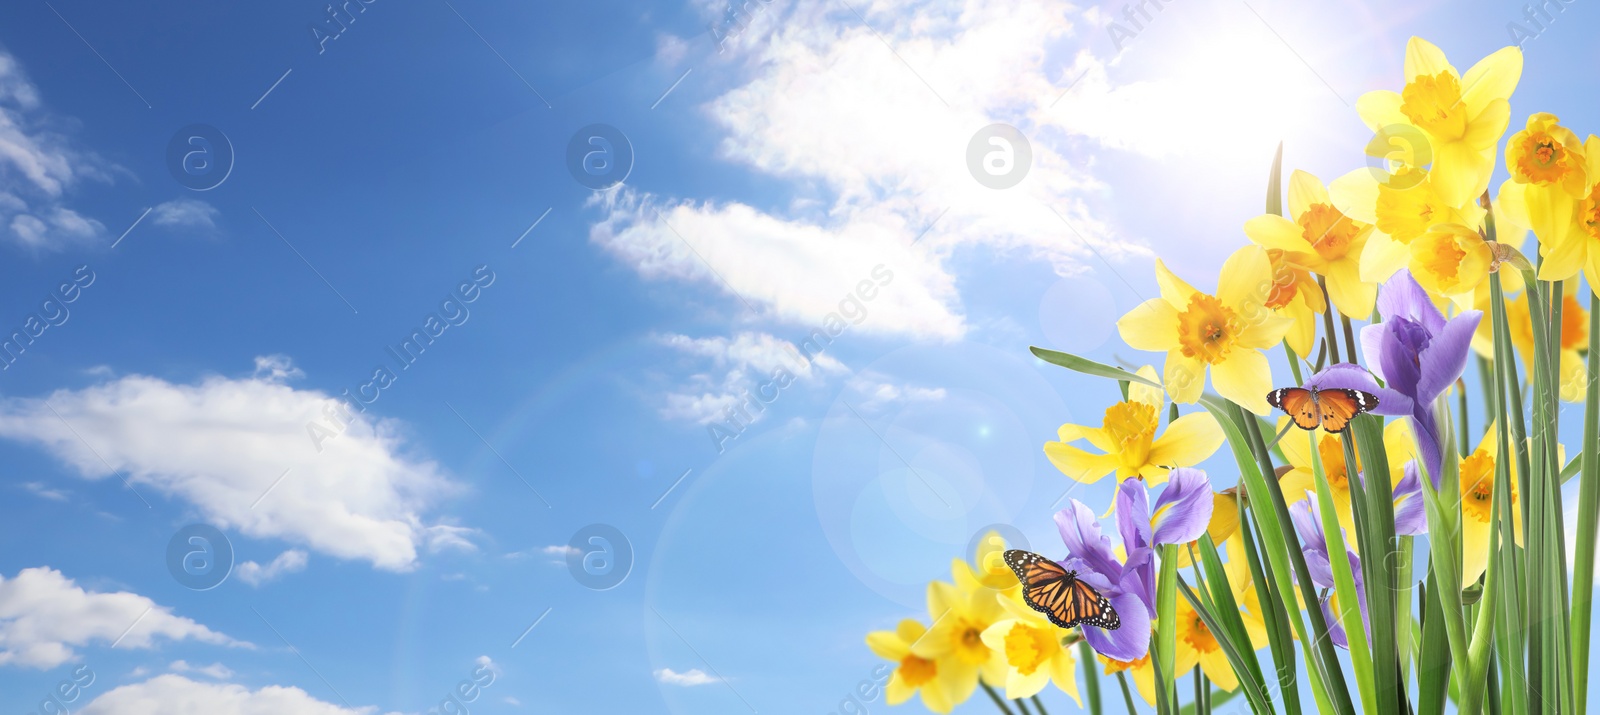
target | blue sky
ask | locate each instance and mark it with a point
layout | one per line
(778, 162)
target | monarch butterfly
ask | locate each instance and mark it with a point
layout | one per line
(1332, 408)
(1058, 594)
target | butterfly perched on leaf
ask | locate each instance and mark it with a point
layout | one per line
(1058, 594)
(1332, 408)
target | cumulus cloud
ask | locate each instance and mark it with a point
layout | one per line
(694, 676)
(874, 141)
(185, 213)
(44, 616)
(176, 695)
(39, 166)
(737, 364)
(254, 574)
(223, 445)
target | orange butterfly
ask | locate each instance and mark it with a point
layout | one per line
(1058, 594)
(1332, 408)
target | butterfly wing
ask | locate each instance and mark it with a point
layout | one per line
(1339, 406)
(1299, 403)
(1058, 594)
(1093, 608)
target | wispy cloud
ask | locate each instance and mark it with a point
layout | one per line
(693, 677)
(39, 167)
(185, 213)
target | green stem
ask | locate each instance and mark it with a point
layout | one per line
(1040, 706)
(1294, 363)
(1349, 339)
(1127, 695)
(999, 702)
(1588, 522)
(1330, 335)
(1091, 679)
(1022, 706)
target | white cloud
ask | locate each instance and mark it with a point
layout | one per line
(177, 695)
(40, 490)
(254, 574)
(694, 676)
(223, 445)
(45, 615)
(738, 364)
(185, 213)
(878, 158)
(792, 270)
(276, 368)
(561, 550)
(216, 671)
(484, 661)
(38, 167)
(879, 390)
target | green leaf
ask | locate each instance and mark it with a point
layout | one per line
(1167, 628)
(1277, 534)
(1090, 367)
(1344, 581)
(1588, 517)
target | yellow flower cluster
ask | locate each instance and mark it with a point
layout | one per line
(1423, 208)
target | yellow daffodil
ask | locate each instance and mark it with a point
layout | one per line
(1547, 186)
(1574, 337)
(1223, 334)
(1477, 493)
(1462, 117)
(1397, 443)
(1031, 650)
(1143, 674)
(1451, 261)
(1127, 438)
(1565, 217)
(1323, 240)
(1400, 210)
(961, 612)
(1197, 646)
(914, 674)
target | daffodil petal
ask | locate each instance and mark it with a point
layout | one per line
(1381, 108)
(1305, 189)
(1351, 295)
(1173, 289)
(1493, 77)
(1425, 58)
(1244, 377)
(1382, 257)
(1153, 326)
(1188, 441)
(1184, 377)
(1356, 195)
(1270, 231)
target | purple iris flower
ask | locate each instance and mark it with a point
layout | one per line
(1418, 354)
(1181, 514)
(1320, 568)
